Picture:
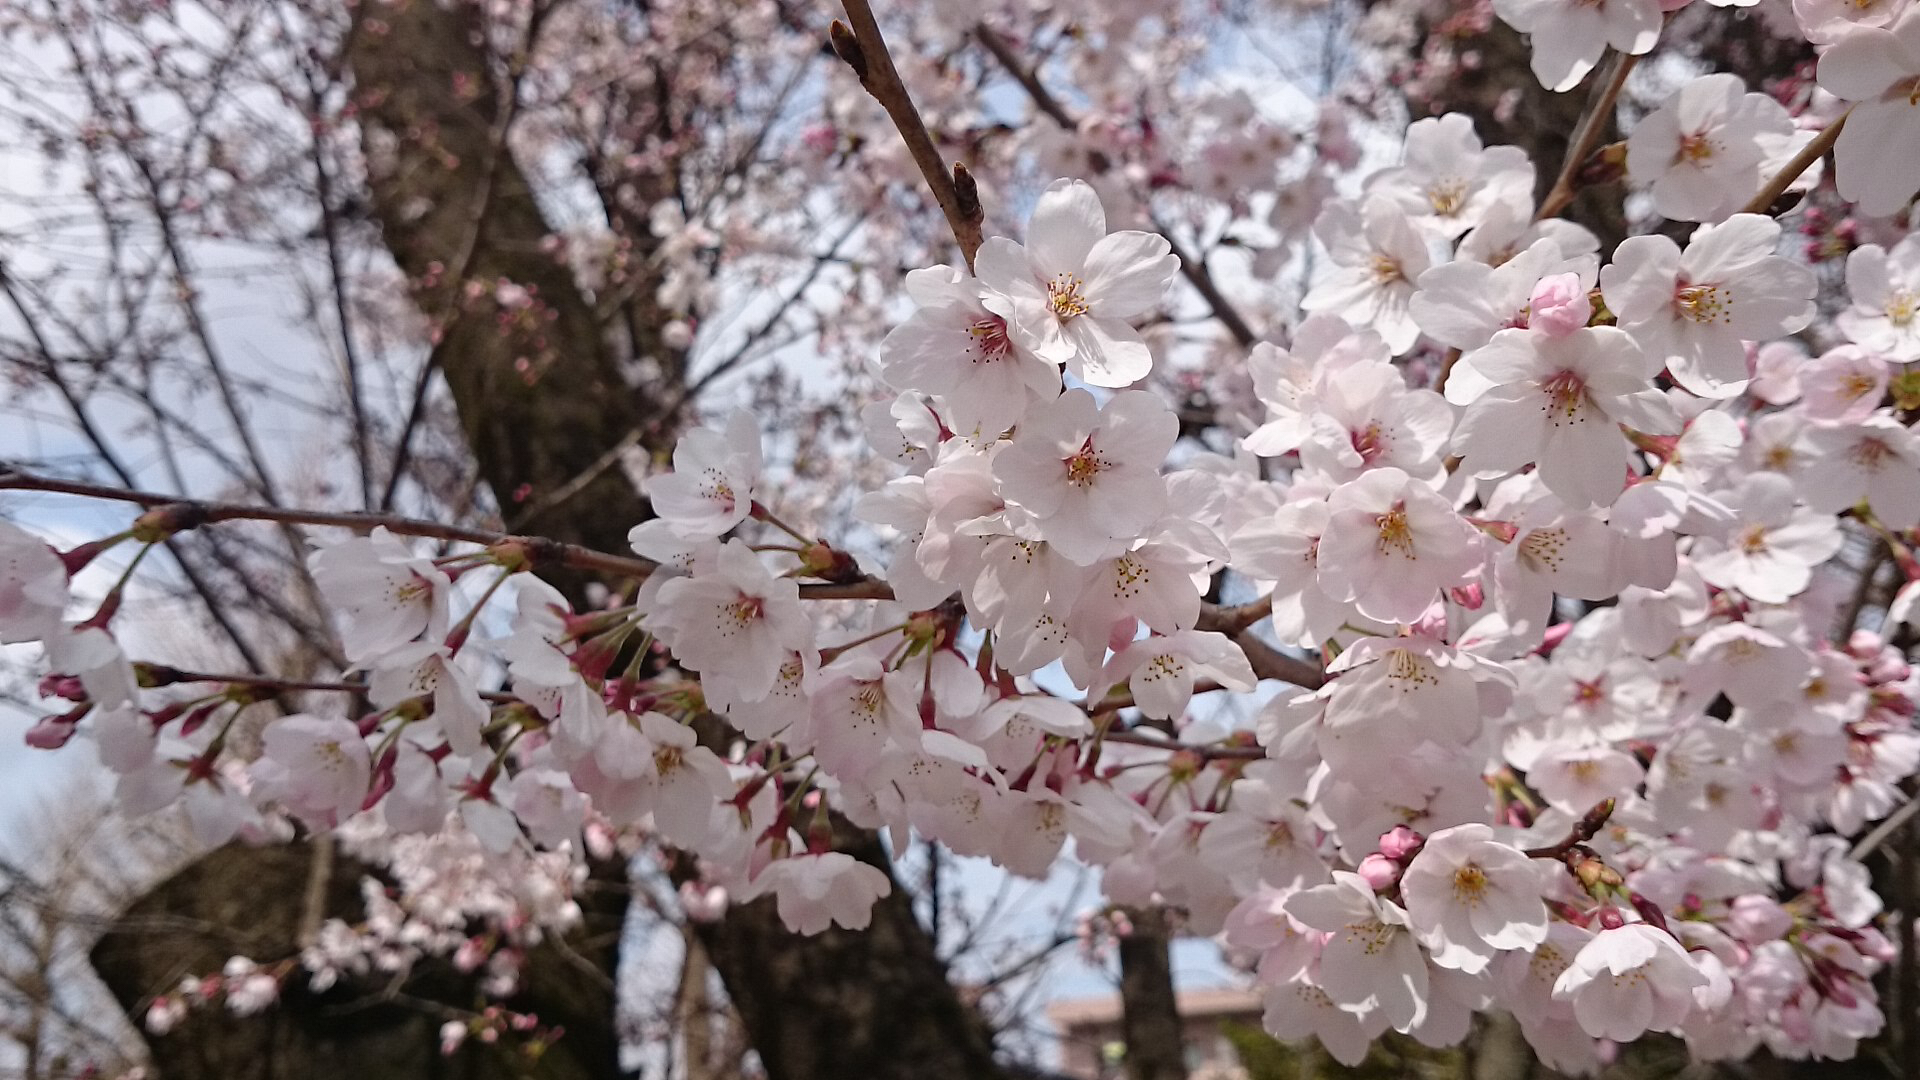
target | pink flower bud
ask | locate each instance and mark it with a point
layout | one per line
(1611, 919)
(1558, 306)
(1401, 843)
(50, 733)
(1379, 871)
(1758, 918)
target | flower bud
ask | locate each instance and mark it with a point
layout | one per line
(1380, 872)
(1756, 918)
(1558, 306)
(1401, 843)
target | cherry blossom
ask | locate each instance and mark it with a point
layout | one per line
(1559, 402)
(1884, 289)
(1470, 897)
(33, 586)
(954, 347)
(1161, 671)
(1875, 65)
(1772, 552)
(1876, 461)
(389, 595)
(1691, 309)
(1629, 980)
(1568, 36)
(1700, 153)
(710, 489)
(1089, 474)
(1371, 959)
(740, 618)
(1391, 545)
(1068, 293)
(1447, 180)
(317, 767)
(815, 891)
(1377, 255)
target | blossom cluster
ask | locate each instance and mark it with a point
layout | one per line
(1546, 717)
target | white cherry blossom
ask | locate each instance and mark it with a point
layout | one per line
(1377, 253)
(710, 489)
(1692, 310)
(1629, 980)
(388, 595)
(954, 347)
(1372, 958)
(1559, 402)
(1568, 36)
(1069, 291)
(1701, 151)
(1090, 474)
(33, 586)
(740, 620)
(1161, 671)
(317, 767)
(1884, 289)
(1392, 544)
(1447, 180)
(1470, 897)
(1875, 163)
(1771, 553)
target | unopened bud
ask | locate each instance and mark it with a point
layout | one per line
(1379, 871)
(158, 525)
(1401, 843)
(1605, 165)
(847, 48)
(1596, 876)
(967, 194)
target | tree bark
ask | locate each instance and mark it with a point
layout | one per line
(1149, 1009)
(241, 901)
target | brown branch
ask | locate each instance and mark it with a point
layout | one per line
(1586, 135)
(154, 675)
(191, 513)
(1211, 753)
(1232, 620)
(1583, 830)
(1800, 163)
(865, 51)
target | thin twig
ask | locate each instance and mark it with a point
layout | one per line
(196, 512)
(1881, 832)
(1799, 163)
(865, 50)
(1586, 135)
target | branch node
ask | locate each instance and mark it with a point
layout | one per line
(967, 195)
(847, 47)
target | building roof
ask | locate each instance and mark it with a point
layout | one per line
(1105, 1009)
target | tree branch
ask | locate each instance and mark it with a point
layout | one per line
(865, 51)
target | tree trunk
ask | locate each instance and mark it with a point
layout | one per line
(251, 902)
(1149, 1009)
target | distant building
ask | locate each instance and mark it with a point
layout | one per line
(1091, 1047)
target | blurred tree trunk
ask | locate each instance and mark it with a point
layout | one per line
(542, 402)
(250, 902)
(1149, 1008)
